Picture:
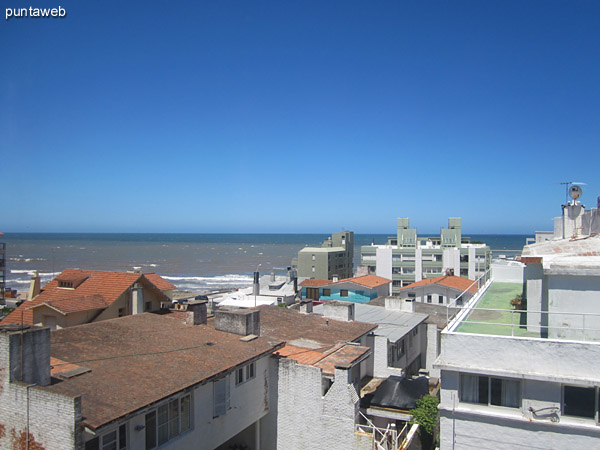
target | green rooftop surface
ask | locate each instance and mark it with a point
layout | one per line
(498, 296)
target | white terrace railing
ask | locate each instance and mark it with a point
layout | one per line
(528, 323)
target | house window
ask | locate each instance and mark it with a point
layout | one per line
(312, 293)
(250, 371)
(168, 421)
(313, 257)
(313, 269)
(148, 306)
(121, 312)
(429, 298)
(343, 292)
(245, 373)
(490, 391)
(113, 440)
(326, 292)
(220, 397)
(579, 401)
(440, 299)
(65, 284)
(239, 376)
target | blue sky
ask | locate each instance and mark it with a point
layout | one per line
(280, 116)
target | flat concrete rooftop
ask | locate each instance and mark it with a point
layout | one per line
(493, 313)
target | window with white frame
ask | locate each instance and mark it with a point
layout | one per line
(168, 421)
(245, 373)
(490, 390)
(113, 440)
(220, 396)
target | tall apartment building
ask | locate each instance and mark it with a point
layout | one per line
(407, 258)
(333, 257)
(530, 378)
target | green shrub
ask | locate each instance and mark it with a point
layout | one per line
(426, 413)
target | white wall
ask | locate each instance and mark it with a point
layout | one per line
(308, 420)
(383, 263)
(568, 293)
(466, 426)
(249, 402)
(504, 272)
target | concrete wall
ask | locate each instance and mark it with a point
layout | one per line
(544, 359)
(508, 272)
(53, 418)
(383, 266)
(466, 425)
(433, 349)
(309, 420)
(573, 294)
(451, 260)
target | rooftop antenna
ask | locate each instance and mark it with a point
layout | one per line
(573, 190)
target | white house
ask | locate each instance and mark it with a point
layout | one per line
(140, 382)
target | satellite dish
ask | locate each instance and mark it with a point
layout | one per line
(575, 191)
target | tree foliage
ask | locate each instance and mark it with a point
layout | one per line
(426, 413)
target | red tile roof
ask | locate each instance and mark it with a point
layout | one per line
(370, 281)
(74, 304)
(311, 282)
(325, 359)
(458, 283)
(109, 285)
(160, 282)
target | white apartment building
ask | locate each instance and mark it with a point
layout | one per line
(530, 379)
(407, 258)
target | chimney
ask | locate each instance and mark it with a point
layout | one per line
(306, 306)
(196, 313)
(34, 286)
(335, 278)
(238, 321)
(27, 352)
(273, 277)
(256, 285)
(400, 304)
(337, 310)
(137, 299)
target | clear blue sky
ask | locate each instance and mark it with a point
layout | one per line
(289, 116)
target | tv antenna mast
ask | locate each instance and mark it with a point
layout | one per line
(573, 190)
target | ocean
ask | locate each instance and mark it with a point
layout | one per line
(198, 262)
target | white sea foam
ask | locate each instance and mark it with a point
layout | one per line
(216, 282)
(137, 267)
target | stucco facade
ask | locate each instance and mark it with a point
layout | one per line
(407, 258)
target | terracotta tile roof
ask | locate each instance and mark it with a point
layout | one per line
(109, 285)
(308, 330)
(458, 283)
(134, 359)
(370, 281)
(325, 359)
(75, 304)
(160, 282)
(311, 282)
